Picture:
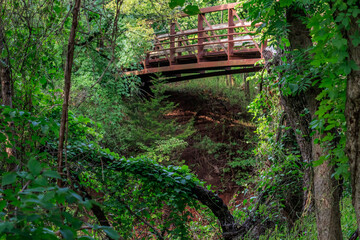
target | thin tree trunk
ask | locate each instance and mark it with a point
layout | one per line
(6, 93)
(228, 80)
(67, 86)
(352, 113)
(246, 88)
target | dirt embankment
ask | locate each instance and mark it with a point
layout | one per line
(221, 138)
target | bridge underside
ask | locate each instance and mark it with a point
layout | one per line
(188, 68)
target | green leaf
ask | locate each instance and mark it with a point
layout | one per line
(355, 12)
(111, 232)
(45, 129)
(51, 174)
(318, 162)
(43, 80)
(34, 167)
(40, 180)
(347, 68)
(67, 234)
(9, 178)
(329, 127)
(86, 237)
(191, 10)
(2, 205)
(355, 39)
(6, 226)
(340, 42)
(285, 3)
(293, 87)
(175, 3)
(345, 21)
(271, 12)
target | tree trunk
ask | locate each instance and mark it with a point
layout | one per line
(67, 86)
(227, 222)
(5, 82)
(6, 93)
(327, 197)
(246, 88)
(294, 107)
(352, 113)
(326, 189)
(229, 80)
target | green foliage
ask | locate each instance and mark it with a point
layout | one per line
(333, 67)
(140, 188)
(305, 227)
(32, 205)
(216, 86)
(31, 210)
(189, 8)
(145, 125)
(279, 163)
(245, 160)
(147, 188)
(295, 75)
(267, 114)
(212, 148)
(148, 193)
(166, 151)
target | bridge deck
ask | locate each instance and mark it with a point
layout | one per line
(221, 48)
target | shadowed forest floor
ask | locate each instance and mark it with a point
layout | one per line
(223, 139)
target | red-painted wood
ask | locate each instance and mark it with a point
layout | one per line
(205, 49)
(172, 44)
(230, 32)
(200, 46)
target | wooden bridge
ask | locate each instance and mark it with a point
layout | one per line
(214, 48)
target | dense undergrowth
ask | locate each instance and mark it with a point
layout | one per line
(268, 171)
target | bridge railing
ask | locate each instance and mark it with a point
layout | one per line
(208, 42)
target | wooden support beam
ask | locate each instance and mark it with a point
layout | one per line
(172, 44)
(200, 46)
(214, 74)
(231, 23)
(197, 66)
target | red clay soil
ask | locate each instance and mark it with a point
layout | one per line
(223, 123)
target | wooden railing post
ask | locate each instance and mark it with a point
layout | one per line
(200, 47)
(263, 47)
(179, 45)
(230, 32)
(146, 61)
(172, 44)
